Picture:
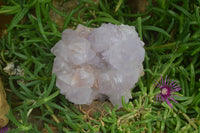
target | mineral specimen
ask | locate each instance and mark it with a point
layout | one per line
(97, 63)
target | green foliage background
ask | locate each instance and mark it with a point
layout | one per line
(171, 32)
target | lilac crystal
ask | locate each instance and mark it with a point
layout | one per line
(93, 63)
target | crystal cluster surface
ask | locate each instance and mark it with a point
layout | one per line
(97, 63)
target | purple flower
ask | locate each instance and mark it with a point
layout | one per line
(167, 89)
(4, 129)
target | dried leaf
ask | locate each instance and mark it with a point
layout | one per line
(4, 107)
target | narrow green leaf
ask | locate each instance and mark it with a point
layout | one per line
(18, 17)
(153, 28)
(118, 5)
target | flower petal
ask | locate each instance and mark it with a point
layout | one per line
(177, 86)
(172, 82)
(165, 80)
(168, 81)
(163, 99)
(170, 105)
(177, 89)
(173, 99)
(4, 129)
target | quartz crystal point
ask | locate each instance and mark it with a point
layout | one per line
(97, 63)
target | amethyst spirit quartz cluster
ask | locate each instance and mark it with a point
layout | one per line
(94, 63)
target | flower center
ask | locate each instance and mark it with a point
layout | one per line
(164, 91)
